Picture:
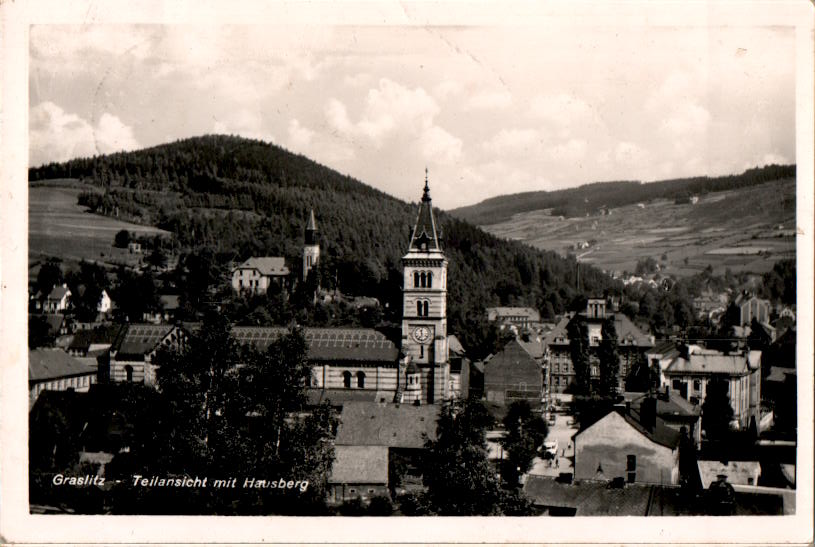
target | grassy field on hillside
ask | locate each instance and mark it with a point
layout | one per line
(745, 230)
(58, 226)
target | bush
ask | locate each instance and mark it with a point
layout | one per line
(380, 506)
(121, 239)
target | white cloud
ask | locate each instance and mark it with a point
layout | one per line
(489, 100)
(509, 141)
(562, 109)
(440, 146)
(299, 137)
(56, 135)
(631, 155)
(570, 151)
(447, 89)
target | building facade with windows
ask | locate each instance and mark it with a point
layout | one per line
(690, 373)
(256, 274)
(631, 341)
(627, 444)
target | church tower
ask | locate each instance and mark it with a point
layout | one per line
(424, 312)
(311, 250)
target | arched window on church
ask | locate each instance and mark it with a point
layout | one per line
(129, 373)
(360, 379)
(346, 379)
(424, 279)
(426, 308)
(419, 308)
(415, 279)
(429, 279)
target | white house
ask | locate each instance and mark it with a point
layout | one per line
(255, 275)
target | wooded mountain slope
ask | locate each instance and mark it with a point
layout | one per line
(587, 199)
(244, 197)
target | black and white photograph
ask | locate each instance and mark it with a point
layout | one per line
(409, 260)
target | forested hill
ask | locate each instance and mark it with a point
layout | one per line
(242, 197)
(589, 198)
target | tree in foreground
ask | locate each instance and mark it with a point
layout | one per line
(578, 334)
(525, 433)
(609, 359)
(459, 477)
(716, 410)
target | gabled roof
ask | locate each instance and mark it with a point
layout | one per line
(55, 321)
(392, 425)
(675, 405)
(534, 347)
(266, 265)
(628, 334)
(58, 292)
(312, 222)
(359, 465)
(48, 364)
(139, 339)
(660, 434)
(328, 344)
(101, 335)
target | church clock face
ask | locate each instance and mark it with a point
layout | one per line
(421, 334)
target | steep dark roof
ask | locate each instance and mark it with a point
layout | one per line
(266, 265)
(102, 335)
(676, 405)
(328, 344)
(628, 334)
(393, 425)
(664, 348)
(48, 364)
(138, 340)
(58, 292)
(511, 365)
(660, 433)
(424, 231)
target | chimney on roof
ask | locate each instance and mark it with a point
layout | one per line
(648, 413)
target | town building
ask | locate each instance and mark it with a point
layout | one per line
(311, 249)
(660, 356)
(93, 342)
(675, 412)
(690, 373)
(390, 438)
(632, 344)
(513, 374)
(57, 300)
(55, 370)
(521, 318)
(751, 307)
(130, 358)
(256, 274)
(639, 447)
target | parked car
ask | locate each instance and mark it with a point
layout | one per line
(550, 449)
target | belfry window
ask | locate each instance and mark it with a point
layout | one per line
(416, 279)
(360, 379)
(346, 379)
(429, 279)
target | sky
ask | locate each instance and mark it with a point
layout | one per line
(487, 109)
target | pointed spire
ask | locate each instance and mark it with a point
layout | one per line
(312, 222)
(311, 230)
(426, 194)
(425, 236)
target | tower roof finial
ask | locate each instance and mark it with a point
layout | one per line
(426, 195)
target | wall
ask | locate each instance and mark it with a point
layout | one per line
(77, 383)
(608, 442)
